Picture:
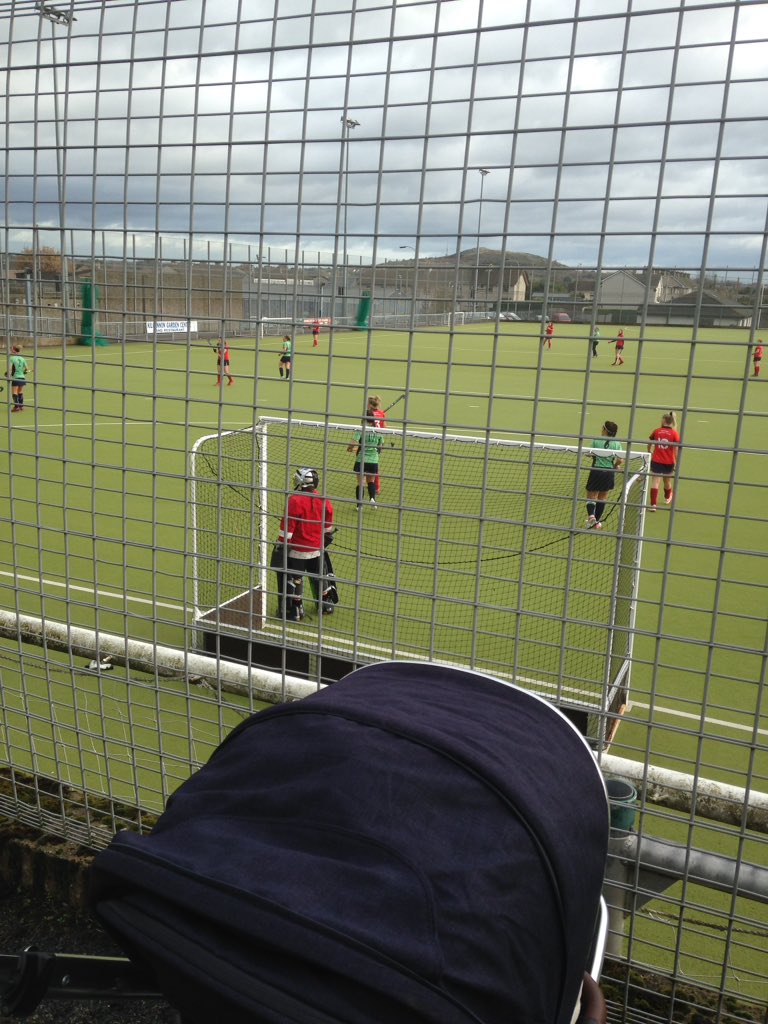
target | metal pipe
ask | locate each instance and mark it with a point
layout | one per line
(717, 801)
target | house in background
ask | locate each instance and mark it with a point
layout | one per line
(713, 311)
(632, 288)
(470, 280)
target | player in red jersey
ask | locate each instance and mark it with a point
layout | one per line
(376, 410)
(618, 341)
(222, 363)
(305, 530)
(757, 356)
(546, 338)
(315, 333)
(665, 444)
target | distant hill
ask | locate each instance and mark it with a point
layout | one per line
(490, 258)
(495, 256)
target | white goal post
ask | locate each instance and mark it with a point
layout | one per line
(477, 555)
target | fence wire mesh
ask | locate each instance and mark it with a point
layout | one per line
(509, 220)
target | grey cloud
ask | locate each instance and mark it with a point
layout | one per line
(263, 137)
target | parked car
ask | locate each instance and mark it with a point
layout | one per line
(557, 318)
(510, 316)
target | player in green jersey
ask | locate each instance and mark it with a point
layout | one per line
(605, 462)
(367, 448)
(18, 368)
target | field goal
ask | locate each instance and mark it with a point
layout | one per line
(475, 556)
(277, 326)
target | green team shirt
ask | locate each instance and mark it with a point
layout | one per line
(605, 461)
(18, 367)
(372, 446)
(287, 348)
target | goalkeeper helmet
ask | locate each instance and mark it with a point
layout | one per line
(305, 479)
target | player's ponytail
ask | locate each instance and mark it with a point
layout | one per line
(669, 419)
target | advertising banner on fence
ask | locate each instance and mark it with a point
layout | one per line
(171, 326)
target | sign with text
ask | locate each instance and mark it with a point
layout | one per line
(171, 326)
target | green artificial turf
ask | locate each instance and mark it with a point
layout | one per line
(96, 532)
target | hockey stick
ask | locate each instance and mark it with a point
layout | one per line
(391, 406)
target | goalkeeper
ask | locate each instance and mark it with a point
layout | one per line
(305, 530)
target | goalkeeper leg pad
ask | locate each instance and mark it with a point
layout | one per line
(294, 606)
(330, 593)
(329, 597)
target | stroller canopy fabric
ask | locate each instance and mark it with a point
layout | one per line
(413, 844)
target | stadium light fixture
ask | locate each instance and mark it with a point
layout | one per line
(55, 14)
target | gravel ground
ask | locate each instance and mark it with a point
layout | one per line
(54, 926)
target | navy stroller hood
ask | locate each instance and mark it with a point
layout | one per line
(413, 844)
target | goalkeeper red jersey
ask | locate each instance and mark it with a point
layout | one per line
(309, 517)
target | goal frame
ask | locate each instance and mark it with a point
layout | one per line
(615, 691)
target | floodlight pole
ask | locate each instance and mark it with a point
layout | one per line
(56, 16)
(483, 173)
(347, 124)
(415, 300)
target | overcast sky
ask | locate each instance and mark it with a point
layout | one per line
(609, 136)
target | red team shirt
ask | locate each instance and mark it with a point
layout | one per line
(309, 516)
(758, 354)
(666, 440)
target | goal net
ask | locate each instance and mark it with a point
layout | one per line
(476, 553)
(277, 326)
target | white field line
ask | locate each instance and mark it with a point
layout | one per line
(657, 710)
(98, 423)
(90, 590)
(372, 649)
